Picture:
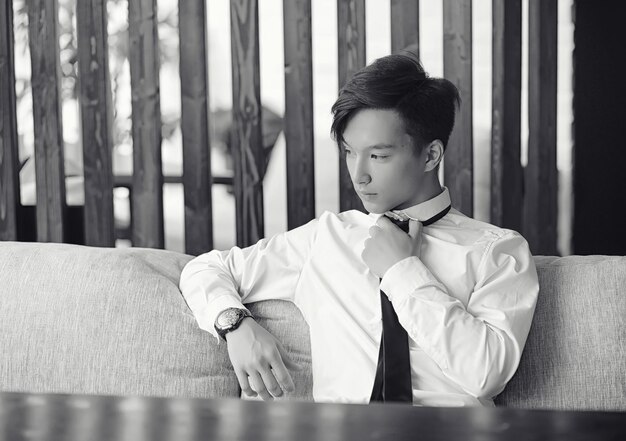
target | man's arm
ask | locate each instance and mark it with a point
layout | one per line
(478, 346)
(218, 280)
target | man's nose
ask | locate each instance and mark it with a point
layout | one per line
(362, 175)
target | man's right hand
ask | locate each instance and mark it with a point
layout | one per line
(259, 361)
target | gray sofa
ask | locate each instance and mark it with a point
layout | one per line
(87, 320)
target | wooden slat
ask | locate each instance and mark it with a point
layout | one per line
(246, 136)
(507, 184)
(405, 26)
(598, 199)
(457, 67)
(9, 161)
(97, 119)
(147, 203)
(540, 207)
(127, 180)
(48, 131)
(195, 126)
(299, 112)
(351, 54)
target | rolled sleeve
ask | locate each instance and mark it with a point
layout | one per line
(217, 280)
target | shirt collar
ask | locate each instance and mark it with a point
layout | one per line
(424, 210)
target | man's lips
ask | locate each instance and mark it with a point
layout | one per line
(367, 195)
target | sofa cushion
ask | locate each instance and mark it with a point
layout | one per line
(575, 355)
(103, 321)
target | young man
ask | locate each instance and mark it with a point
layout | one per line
(462, 292)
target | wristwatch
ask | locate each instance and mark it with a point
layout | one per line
(229, 319)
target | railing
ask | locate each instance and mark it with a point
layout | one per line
(524, 199)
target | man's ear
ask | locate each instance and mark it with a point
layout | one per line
(433, 154)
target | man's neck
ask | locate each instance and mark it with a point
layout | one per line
(424, 210)
(431, 189)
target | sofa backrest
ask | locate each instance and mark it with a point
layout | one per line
(112, 321)
(575, 355)
(87, 320)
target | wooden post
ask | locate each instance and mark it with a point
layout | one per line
(9, 161)
(405, 26)
(97, 119)
(351, 54)
(48, 130)
(299, 113)
(147, 205)
(457, 67)
(195, 126)
(247, 142)
(507, 183)
(599, 199)
(540, 207)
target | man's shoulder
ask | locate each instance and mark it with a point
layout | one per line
(348, 225)
(478, 230)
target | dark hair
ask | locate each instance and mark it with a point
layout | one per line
(398, 82)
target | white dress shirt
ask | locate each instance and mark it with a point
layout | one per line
(466, 303)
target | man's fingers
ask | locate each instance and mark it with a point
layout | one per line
(374, 230)
(384, 222)
(270, 382)
(415, 228)
(259, 386)
(415, 232)
(242, 377)
(291, 364)
(280, 370)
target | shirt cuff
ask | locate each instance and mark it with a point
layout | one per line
(407, 277)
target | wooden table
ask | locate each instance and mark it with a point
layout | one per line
(79, 417)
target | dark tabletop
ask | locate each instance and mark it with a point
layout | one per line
(79, 417)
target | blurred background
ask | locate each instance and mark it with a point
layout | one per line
(324, 31)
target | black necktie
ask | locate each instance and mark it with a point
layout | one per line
(393, 374)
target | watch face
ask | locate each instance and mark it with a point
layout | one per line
(228, 318)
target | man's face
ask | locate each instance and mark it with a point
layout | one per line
(386, 171)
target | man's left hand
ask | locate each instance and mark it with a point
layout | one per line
(388, 245)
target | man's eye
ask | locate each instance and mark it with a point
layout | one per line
(380, 156)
